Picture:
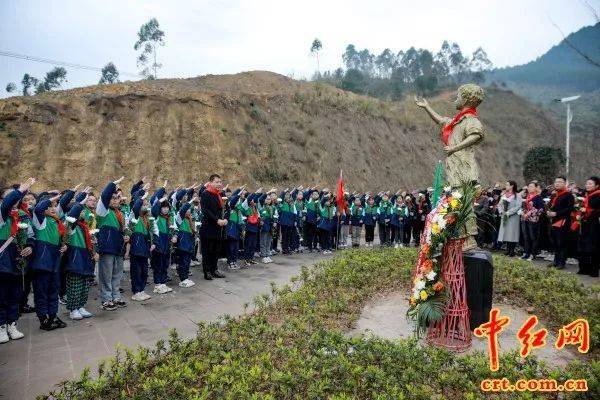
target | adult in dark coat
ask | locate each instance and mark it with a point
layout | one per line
(561, 206)
(589, 234)
(211, 230)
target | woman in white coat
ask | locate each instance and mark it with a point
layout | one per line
(508, 208)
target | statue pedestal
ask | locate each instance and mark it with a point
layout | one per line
(453, 331)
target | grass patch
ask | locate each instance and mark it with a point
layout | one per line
(291, 346)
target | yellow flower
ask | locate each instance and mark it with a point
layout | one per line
(443, 211)
(435, 228)
(454, 203)
(423, 295)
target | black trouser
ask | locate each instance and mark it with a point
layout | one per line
(369, 233)
(559, 242)
(531, 234)
(275, 240)
(325, 239)
(63, 276)
(589, 263)
(27, 281)
(310, 235)
(286, 238)
(397, 234)
(384, 234)
(510, 248)
(210, 248)
(407, 230)
(416, 231)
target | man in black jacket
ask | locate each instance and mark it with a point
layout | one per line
(213, 224)
(561, 206)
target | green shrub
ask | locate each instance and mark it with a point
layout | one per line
(290, 347)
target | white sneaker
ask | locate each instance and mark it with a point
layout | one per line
(530, 258)
(3, 334)
(162, 289)
(75, 315)
(85, 313)
(326, 252)
(233, 266)
(186, 283)
(265, 260)
(13, 332)
(270, 259)
(396, 246)
(139, 296)
(145, 295)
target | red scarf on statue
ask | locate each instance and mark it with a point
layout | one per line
(447, 129)
(586, 203)
(215, 192)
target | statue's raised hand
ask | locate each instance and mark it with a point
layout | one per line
(421, 102)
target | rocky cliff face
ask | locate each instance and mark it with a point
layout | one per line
(255, 128)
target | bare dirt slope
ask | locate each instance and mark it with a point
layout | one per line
(254, 127)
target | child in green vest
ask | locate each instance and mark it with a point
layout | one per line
(81, 260)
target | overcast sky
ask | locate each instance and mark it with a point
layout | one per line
(217, 37)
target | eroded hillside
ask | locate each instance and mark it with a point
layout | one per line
(254, 127)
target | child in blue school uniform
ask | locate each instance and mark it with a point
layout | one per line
(235, 225)
(185, 244)
(141, 245)
(398, 211)
(50, 244)
(111, 246)
(356, 220)
(161, 256)
(327, 217)
(80, 262)
(312, 216)
(268, 217)
(10, 275)
(287, 220)
(252, 228)
(369, 220)
(383, 219)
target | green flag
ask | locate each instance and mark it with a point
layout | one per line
(437, 184)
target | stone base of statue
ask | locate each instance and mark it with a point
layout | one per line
(453, 331)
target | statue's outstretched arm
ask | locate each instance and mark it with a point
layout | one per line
(468, 142)
(434, 115)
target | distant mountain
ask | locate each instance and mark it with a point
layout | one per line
(561, 66)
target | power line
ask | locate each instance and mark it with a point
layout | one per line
(60, 63)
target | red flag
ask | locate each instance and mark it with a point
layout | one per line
(339, 197)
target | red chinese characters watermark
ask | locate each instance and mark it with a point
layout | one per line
(491, 330)
(530, 341)
(576, 333)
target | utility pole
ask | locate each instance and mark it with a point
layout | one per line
(567, 101)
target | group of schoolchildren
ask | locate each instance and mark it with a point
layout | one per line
(58, 242)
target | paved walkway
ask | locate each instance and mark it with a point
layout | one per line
(32, 365)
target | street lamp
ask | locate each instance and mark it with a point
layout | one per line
(568, 101)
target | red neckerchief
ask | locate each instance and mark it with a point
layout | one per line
(146, 222)
(529, 199)
(586, 203)
(215, 192)
(192, 225)
(557, 195)
(86, 235)
(447, 129)
(25, 208)
(61, 227)
(14, 226)
(119, 216)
